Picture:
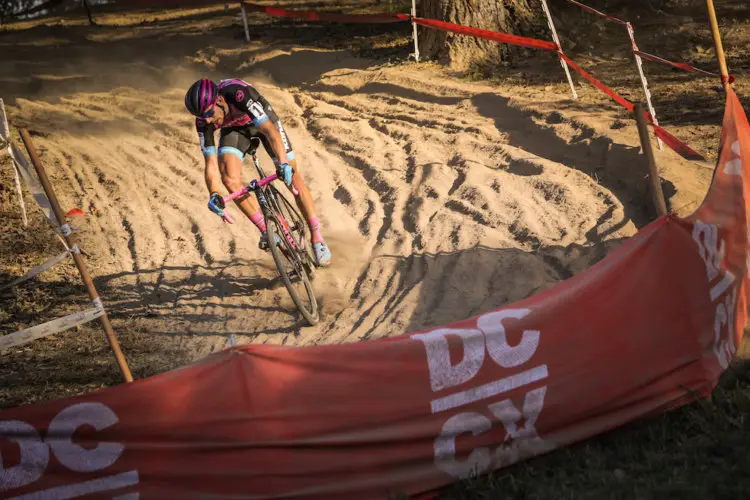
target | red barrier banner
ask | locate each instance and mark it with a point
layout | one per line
(496, 36)
(327, 16)
(598, 13)
(649, 328)
(674, 143)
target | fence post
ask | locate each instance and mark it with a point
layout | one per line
(88, 12)
(414, 28)
(559, 48)
(244, 21)
(717, 42)
(80, 263)
(657, 194)
(644, 83)
(5, 135)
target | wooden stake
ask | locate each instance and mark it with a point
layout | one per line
(80, 263)
(88, 12)
(717, 43)
(244, 21)
(657, 194)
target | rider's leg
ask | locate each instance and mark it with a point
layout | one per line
(303, 198)
(232, 148)
(230, 165)
(307, 207)
(305, 203)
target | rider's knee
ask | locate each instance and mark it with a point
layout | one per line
(231, 182)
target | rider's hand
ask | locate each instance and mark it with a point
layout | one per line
(216, 204)
(285, 173)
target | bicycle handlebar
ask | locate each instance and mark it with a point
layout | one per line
(250, 187)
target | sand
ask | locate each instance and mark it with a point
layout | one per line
(440, 198)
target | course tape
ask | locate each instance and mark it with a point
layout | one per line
(55, 326)
(327, 16)
(34, 271)
(677, 145)
(598, 13)
(496, 36)
(683, 66)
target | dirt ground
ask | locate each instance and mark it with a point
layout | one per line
(442, 195)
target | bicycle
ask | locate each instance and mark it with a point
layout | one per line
(291, 238)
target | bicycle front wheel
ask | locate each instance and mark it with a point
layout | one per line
(297, 226)
(293, 273)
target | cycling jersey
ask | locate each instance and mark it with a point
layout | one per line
(247, 110)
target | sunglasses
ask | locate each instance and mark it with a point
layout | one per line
(210, 112)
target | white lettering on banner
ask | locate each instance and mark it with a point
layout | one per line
(127, 496)
(442, 373)
(712, 250)
(509, 415)
(35, 453)
(84, 488)
(74, 456)
(524, 442)
(497, 342)
(485, 391)
(520, 441)
(734, 167)
(709, 250)
(445, 445)
(725, 348)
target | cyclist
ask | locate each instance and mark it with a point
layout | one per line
(242, 113)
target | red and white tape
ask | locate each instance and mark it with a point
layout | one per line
(598, 13)
(683, 66)
(327, 16)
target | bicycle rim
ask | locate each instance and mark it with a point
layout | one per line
(292, 272)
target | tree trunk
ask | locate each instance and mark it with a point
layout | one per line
(465, 52)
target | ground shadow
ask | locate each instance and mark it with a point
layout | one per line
(613, 165)
(454, 286)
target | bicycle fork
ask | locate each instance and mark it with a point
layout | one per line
(267, 209)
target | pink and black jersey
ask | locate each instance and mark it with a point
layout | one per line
(247, 108)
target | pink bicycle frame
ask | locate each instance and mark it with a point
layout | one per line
(244, 191)
(251, 187)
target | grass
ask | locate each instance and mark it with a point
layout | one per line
(72, 362)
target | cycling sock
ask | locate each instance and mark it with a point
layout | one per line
(315, 230)
(257, 219)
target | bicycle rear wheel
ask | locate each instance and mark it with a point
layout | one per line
(289, 263)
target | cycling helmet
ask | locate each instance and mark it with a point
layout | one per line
(201, 96)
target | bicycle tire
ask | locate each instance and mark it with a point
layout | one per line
(273, 228)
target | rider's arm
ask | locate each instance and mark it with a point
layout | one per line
(212, 174)
(274, 137)
(208, 148)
